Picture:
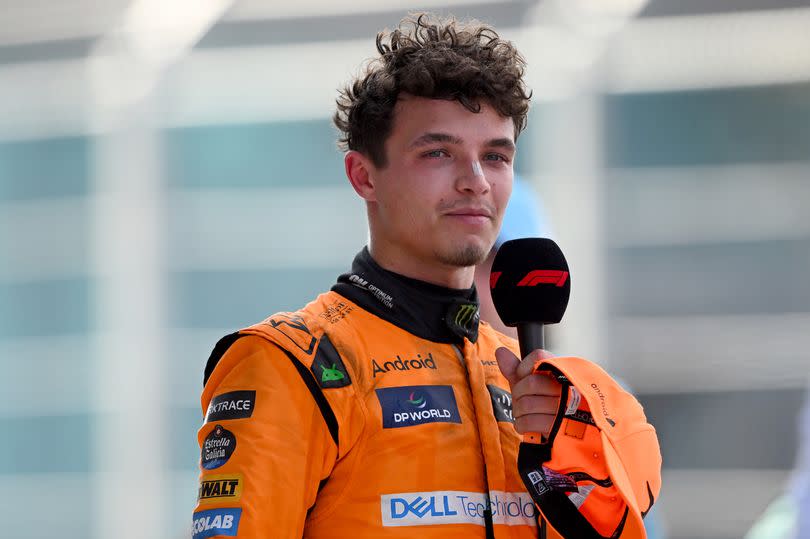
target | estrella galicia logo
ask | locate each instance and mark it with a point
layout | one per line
(217, 448)
(216, 522)
(501, 403)
(233, 405)
(416, 405)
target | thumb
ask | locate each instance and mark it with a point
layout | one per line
(508, 363)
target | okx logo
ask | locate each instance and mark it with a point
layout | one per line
(416, 405)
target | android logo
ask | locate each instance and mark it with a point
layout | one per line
(331, 375)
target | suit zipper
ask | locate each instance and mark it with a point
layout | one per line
(488, 523)
(460, 354)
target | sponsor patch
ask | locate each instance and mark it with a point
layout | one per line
(407, 406)
(457, 507)
(214, 488)
(217, 448)
(399, 364)
(336, 311)
(328, 366)
(501, 403)
(216, 522)
(233, 405)
(383, 297)
(462, 318)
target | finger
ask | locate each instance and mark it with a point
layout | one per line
(537, 384)
(531, 361)
(508, 363)
(535, 404)
(534, 423)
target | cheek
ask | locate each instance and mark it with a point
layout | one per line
(502, 190)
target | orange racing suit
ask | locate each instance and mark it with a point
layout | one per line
(376, 411)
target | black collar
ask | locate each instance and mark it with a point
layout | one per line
(429, 311)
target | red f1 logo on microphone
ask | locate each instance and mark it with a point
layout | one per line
(536, 277)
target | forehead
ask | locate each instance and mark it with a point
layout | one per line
(414, 116)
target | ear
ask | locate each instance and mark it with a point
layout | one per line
(359, 170)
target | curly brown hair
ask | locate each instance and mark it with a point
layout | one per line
(439, 59)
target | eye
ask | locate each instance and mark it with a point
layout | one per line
(435, 154)
(496, 157)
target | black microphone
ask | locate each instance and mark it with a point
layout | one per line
(530, 286)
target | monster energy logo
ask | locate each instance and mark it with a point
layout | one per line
(465, 315)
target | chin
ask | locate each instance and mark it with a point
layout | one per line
(463, 256)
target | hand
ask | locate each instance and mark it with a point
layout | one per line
(535, 397)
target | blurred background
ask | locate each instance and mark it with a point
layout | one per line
(169, 173)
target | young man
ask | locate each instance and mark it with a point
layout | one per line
(382, 409)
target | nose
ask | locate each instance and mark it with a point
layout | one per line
(472, 179)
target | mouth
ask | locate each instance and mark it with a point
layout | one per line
(482, 213)
(471, 217)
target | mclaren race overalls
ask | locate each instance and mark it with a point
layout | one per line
(376, 411)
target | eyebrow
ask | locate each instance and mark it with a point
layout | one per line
(505, 143)
(430, 138)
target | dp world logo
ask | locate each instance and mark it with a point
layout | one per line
(407, 406)
(416, 400)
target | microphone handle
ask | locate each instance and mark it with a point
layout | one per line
(530, 337)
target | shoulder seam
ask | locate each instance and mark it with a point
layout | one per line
(326, 410)
(219, 350)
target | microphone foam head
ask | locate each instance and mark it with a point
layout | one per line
(530, 282)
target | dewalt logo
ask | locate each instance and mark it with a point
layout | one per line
(220, 487)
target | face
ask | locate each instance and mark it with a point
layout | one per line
(440, 198)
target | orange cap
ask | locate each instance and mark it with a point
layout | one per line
(599, 472)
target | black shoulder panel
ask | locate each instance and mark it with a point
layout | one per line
(330, 357)
(219, 351)
(328, 367)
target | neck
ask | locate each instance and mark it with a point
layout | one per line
(391, 258)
